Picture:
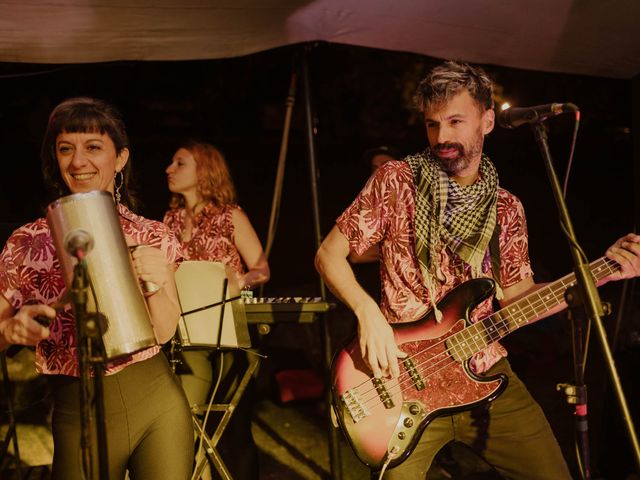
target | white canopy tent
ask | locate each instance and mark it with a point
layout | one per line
(590, 37)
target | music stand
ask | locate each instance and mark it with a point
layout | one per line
(203, 305)
(200, 309)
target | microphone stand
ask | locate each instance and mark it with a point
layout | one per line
(590, 301)
(90, 351)
(577, 393)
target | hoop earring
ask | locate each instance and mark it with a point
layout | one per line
(118, 185)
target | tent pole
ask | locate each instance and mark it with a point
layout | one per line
(635, 133)
(334, 445)
(311, 152)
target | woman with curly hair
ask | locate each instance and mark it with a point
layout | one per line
(205, 217)
(212, 227)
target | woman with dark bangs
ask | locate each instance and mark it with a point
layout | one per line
(148, 422)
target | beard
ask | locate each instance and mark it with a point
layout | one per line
(466, 154)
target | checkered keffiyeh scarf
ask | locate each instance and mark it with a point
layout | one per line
(464, 218)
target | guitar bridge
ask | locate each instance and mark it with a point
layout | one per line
(355, 406)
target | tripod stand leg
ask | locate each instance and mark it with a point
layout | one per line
(233, 403)
(212, 455)
(12, 432)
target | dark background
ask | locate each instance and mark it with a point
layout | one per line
(361, 98)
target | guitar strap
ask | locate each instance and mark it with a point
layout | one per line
(462, 218)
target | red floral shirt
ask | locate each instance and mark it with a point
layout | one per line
(383, 213)
(30, 274)
(211, 237)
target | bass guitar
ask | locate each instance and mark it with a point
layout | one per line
(384, 418)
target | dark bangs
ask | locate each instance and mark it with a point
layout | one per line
(79, 115)
(88, 115)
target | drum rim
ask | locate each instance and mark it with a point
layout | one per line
(73, 197)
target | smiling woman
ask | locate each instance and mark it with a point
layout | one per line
(87, 161)
(85, 147)
(146, 412)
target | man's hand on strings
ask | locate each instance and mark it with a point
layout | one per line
(625, 252)
(377, 342)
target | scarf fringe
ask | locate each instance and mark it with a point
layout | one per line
(476, 272)
(499, 292)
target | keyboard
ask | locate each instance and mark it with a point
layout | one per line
(273, 310)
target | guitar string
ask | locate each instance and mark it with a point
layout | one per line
(524, 312)
(502, 323)
(445, 354)
(443, 360)
(553, 290)
(563, 282)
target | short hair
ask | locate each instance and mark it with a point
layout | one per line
(392, 152)
(450, 78)
(214, 179)
(84, 115)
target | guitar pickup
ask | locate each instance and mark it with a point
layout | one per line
(385, 398)
(418, 383)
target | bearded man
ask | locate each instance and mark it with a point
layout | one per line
(440, 219)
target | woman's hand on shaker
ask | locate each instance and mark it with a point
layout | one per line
(151, 267)
(158, 285)
(24, 328)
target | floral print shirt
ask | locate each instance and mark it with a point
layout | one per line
(30, 274)
(383, 213)
(211, 236)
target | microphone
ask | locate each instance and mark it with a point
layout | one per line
(78, 243)
(514, 117)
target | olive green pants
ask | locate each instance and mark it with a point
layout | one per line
(511, 434)
(148, 424)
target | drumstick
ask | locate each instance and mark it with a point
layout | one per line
(58, 306)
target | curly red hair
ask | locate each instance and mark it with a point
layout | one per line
(214, 180)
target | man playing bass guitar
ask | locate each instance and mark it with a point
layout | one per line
(445, 227)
